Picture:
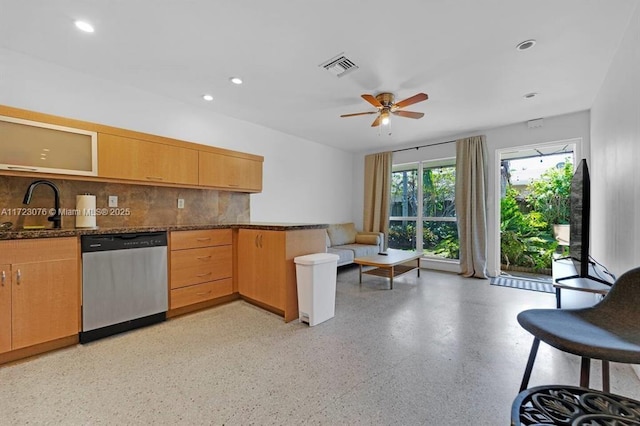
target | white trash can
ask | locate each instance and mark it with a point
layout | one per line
(316, 278)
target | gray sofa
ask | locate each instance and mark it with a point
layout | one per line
(347, 243)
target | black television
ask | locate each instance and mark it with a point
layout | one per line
(580, 200)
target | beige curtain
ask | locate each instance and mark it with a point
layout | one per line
(377, 193)
(471, 205)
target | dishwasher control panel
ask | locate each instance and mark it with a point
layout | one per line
(106, 242)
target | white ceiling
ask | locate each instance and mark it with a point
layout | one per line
(460, 52)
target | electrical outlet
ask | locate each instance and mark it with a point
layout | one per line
(113, 201)
(181, 203)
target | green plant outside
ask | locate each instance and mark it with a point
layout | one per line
(526, 228)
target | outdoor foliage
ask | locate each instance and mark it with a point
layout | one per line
(526, 229)
(549, 195)
(402, 234)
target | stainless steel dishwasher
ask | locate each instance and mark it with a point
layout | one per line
(124, 282)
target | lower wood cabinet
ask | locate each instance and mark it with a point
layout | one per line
(39, 291)
(266, 270)
(5, 307)
(201, 266)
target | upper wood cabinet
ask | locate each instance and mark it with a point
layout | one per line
(33, 143)
(31, 146)
(134, 159)
(236, 173)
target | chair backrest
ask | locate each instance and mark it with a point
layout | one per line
(624, 294)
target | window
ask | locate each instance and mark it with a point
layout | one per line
(430, 223)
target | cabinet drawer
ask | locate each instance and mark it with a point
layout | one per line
(200, 292)
(200, 238)
(38, 249)
(200, 265)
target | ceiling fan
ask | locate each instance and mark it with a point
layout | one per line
(385, 105)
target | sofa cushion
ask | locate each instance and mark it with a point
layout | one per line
(361, 250)
(343, 233)
(368, 239)
(345, 255)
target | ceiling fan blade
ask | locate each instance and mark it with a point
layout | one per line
(372, 100)
(376, 122)
(408, 114)
(412, 100)
(359, 113)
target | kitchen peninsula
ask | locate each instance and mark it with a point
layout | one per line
(257, 260)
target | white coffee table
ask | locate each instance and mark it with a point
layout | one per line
(390, 265)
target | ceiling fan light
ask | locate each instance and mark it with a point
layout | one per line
(384, 116)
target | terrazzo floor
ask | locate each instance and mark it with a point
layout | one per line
(435, 350)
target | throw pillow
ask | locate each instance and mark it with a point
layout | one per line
(368, 239)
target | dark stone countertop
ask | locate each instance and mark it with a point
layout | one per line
(74, 232)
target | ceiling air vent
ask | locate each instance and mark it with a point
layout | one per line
(339, 65)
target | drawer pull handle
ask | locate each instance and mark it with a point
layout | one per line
(203, 275)
(203, 239)
(204, 257)
(4, 278)
(18, 277)
(28, 169)
(155, 178)
(203, 293)
(233, 184)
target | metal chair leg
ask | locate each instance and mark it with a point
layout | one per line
(605, 376)
(584, 372)
(532, 358)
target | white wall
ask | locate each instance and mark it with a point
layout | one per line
(615, 165)
(558, 128)
(303, 181)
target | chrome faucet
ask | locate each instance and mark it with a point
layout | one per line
(55, 217)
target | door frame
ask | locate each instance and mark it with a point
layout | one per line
(576, 143)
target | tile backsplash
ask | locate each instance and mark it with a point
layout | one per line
(138, 205)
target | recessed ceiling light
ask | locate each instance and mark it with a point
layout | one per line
(84, 26)
(207, 97)
(527, 44)
(236, 80)
(530, 95)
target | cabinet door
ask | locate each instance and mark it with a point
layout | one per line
(134, 159)
(230, 172)
(45, 301)
(261, 266)
(5, 308)
(32, 146)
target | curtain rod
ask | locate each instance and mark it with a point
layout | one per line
(423, 146)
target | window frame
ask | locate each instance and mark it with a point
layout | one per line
(419, 219)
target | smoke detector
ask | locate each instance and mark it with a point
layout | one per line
(339, 65)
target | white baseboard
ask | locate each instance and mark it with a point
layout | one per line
(440, 265)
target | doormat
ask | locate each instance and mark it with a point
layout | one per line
(523, 283)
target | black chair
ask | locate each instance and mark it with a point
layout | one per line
(608, 331)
